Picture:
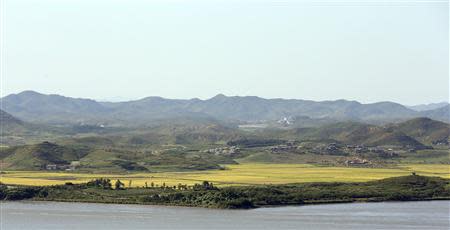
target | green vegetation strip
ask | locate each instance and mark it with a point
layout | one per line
(405, 188)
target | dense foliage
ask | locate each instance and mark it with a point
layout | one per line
(251, 143)
(207, 195)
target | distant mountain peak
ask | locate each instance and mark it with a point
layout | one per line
(28, 93)
(219, 96)
(153, 98)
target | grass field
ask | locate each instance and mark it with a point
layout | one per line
(242, 174)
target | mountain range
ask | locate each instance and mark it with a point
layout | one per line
(431, 106)
(35, 107)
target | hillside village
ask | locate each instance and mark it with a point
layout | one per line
(207, 143)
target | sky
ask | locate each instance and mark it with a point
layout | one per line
(362, 50)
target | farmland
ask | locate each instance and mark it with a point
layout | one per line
(241, 174)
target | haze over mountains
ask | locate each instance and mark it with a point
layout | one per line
(10, 123)
(31, 106)
(431, 106)
(155, 133)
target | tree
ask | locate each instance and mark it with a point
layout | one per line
(207, 185)
(100, 183)
(119, 185)
(204, 186)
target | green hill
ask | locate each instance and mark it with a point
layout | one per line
(91, 141)
(376, 136)
(425, 130)
(35, 157)
(358, 133)
(336, 131)
(179, 144)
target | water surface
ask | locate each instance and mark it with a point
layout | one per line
(395, 215)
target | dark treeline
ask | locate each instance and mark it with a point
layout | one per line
(405, 188)
(252, 143)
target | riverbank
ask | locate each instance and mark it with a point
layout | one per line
(406, 188)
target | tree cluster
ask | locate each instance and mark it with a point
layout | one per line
(103, 183)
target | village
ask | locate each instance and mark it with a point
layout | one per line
(354, 154)
(227, 151)
(63, 167)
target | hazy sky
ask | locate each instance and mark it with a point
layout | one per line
(321, 50)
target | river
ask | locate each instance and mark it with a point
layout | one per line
(388, 215)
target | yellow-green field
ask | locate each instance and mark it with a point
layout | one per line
(243, 174)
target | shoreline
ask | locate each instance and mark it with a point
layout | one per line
(31, 201)
(256, 207)
(206, 195)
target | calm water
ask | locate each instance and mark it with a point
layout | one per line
(52, 215)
